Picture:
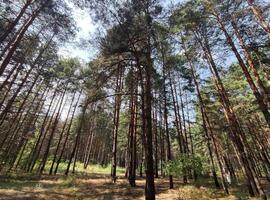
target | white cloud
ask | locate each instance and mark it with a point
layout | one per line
(86, 27)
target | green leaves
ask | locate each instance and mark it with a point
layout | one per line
(184, 164)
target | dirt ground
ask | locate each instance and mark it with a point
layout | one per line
(100, 187)
(82, 187)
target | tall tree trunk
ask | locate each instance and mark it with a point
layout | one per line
(251, 62)
(235, 129)
(161, 140)
(147, 120)
(186, 149)
(17, 41)
(208, 138)
(117, 108)
(262, 105)
(57, 117)
(33, 155)
(45, 135)
(75, 146)
(156, 137)
(258, 14)
(89, 149)
(68, 133)
(89, 143)
(177, 122)
(169, 154)
(62, 133)
(15, 22)
(132, 133)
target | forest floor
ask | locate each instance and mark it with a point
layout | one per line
(99, 186)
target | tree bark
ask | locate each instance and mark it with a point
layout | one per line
(116, 123)
(57, 117)
(17, 41)
(262, 105)
(68, 133)
(62, 133)
(15, 22)
(235, 129)
(82, 118)
(258, 14)
(169, 154)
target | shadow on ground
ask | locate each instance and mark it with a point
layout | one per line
(100, 187)
(83, 186)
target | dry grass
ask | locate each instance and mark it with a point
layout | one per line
(98, 186)
(95, 186)
(191, 192)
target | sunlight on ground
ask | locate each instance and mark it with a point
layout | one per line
(97, 185)
(190, 192)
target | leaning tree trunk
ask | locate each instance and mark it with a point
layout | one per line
(61, 134)
(47, 150)
(45, 135)
(210, 138)
(82, 118)
(262, 105)
(17, 41)
(251, 62)
(258, 14)
(15, 22)
(235, 129)
(203, 113)
(67, 134)
(33, 154)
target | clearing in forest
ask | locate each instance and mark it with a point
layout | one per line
(99, 186)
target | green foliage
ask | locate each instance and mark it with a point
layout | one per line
(184, 164)
(203, 192)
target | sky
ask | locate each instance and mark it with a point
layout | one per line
(86, 28)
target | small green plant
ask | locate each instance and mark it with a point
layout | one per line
(70, 181)
(184, 164)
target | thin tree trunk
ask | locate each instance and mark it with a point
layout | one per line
(6, 81)
(33, 155)
(15, 22)
(47, 130)
(116, 123)
(46, 154)
(82, 118)
(17, 41)
(258, 14)
(62, 133)
(204, 116)
(235, 129)
(262, 105)
(178, 127)
(156, 139)
(169, 156)
(68, 133)
(250, 61)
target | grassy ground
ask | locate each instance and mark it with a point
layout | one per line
(96, 184)
(204, 190)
